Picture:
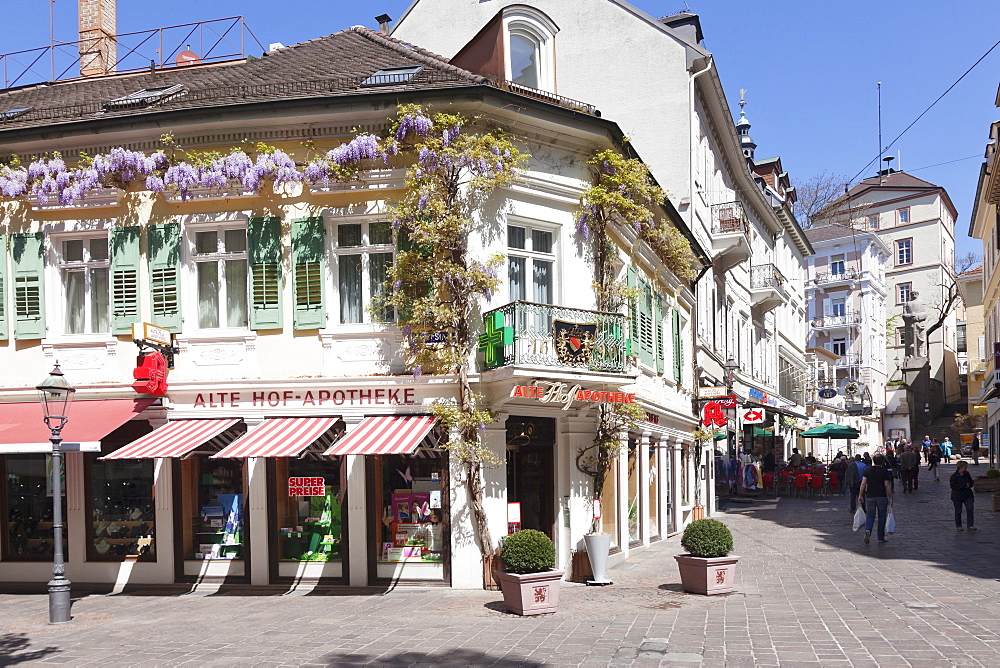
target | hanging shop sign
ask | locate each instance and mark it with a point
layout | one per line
(552, 392)
(306, 487)
(150, 374)
(293, 399)
(752, 415)
(761, 397)
(827, 393)
(713, 412)
(712, 392)
(574, 341)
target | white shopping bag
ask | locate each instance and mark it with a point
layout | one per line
(890, 523)
(860, 518)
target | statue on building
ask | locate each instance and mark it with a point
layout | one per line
(914, 315)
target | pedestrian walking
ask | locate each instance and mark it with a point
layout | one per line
(867, 459)
(946, 450)
(891, 468)
(876, 489)
(975, 449)
(934, 459)
(909, 463)
(926, 448)
(962, 485)
(852, 478)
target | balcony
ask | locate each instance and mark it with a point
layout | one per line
(833, 278)
(730, 235)
(835, 320)
(848, 360)
(767, 287)
(525, 333)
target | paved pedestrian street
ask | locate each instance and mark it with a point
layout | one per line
(809, 593)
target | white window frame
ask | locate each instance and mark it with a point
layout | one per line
(909, 251)
(900, 289)
(193, 259)
(903, 212)
(531, 24)
(873, 221)
(839, 340)
(531, 256)
(365, 250)
(61, 267)
(842, 262)
(842, 303)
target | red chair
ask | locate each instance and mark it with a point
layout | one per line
(834, 481)
(784, 482)
(767, 481)
(801, 483)
(817, 482)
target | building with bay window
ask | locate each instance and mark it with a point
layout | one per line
(293, 443)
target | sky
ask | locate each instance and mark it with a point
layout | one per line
(810, 70)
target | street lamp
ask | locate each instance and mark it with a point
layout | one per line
(55, 394)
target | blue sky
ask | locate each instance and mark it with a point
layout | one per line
(810, 70)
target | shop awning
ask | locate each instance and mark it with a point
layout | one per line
(175, 439)
(23, 430)
(831, 430)
(386, 435)
(279, 437)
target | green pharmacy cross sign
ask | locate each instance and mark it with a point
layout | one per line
(493, 343)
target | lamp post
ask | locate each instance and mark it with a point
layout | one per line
(730, 367)
(55, 395)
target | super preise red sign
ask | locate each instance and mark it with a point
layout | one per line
(306, 487)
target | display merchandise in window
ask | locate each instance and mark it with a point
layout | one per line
(28, 508)
(219, 531)
(309, 507)
(411, 493)
(122, 511)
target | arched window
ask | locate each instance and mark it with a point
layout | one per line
(530, 42)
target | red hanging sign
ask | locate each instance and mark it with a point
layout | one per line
(712, 413)
(150, 374)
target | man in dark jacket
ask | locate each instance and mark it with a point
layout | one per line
(909, 462)
(975, 449)
(962, 495)
(852, 478)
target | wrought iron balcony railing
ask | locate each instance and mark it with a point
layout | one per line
(850, 359)
(837, 276)
(554, 336)
(764, 276)
(728, 218)
(837, 319)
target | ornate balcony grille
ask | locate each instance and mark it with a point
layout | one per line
(766, 276)
(525, 333)
(837, 319)
(728, 218)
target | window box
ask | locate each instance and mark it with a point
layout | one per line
(234, 190)
(92, 199)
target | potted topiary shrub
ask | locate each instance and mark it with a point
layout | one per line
(990, 483)
(708, 568)
(530, 584)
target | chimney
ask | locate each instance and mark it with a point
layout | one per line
(383, 23)
(98, 26)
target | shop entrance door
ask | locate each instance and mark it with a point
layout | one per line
(530, 471)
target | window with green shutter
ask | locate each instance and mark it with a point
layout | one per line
(29, 287)
(164, 248)
(641, 315)
(658, 332)
(308, 241)
(3, 288)
(124, 278)
(264, 236)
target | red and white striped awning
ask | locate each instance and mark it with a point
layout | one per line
(279, 437)
(386, 435)
(175, 439)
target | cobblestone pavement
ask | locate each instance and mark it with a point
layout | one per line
(809, 592)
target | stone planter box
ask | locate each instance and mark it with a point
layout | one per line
(988, 485)
(996, 502)
(532, 593)
(709, 576)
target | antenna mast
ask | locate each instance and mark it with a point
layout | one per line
(880, 151)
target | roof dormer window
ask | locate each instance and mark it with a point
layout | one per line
(530, 48)
(392, 75)
(146, 97)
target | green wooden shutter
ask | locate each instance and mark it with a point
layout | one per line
(164, 242)
(633, 311)
(307, 261)
(124, 278)
(678, 352)
(4, 327)
(29, 285)
(647, 339)
(264, 236)
(661, 367)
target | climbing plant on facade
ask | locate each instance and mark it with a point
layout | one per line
(622, 195)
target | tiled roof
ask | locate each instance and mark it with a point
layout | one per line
(828, 232)
(975, 271)
(326, 66)
(894, 180)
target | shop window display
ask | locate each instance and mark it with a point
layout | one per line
(27, 506)
(654, 500)
(122, 511)
(633, 491)
(609, 503)
(413, 500)
(309, 509)
(218, 531)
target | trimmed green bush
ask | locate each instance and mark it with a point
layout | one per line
(993, 473)
(707, 538)
(528, 551)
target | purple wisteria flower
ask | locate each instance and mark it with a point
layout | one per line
(415, 123)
